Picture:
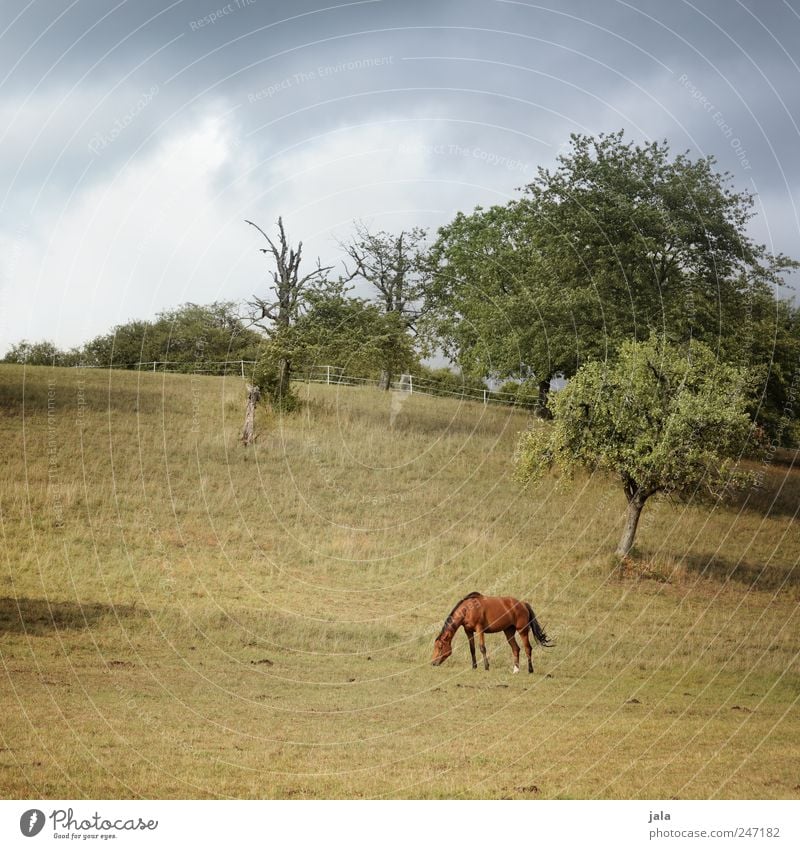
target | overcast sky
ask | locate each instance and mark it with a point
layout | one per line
(136, 136)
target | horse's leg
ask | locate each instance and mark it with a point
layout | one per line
(509, 632)
(483, 648)
(471, 638)
(527, 643)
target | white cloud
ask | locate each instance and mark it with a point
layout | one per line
(168, 226)
(390, 173)
(123, 248)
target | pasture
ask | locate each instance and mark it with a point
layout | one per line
(182, 618)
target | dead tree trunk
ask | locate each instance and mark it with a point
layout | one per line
(385, 380)
(248, 431)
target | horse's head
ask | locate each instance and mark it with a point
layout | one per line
(442, 649)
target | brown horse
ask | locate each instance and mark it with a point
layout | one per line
(481, 614)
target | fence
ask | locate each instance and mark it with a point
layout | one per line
(334, 376)
(414, 384)
(214, 367)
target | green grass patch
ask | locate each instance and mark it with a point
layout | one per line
(180, 617)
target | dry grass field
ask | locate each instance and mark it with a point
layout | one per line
(181, 618)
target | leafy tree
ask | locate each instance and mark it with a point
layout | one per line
(124, 346)
(191, 335)
(34, 354)
(618, 241)
(661, 418)
(201, 335)
(338, 329)
(393, 264)
(769, 342)
(494, 304)
(355, 334)
(662, 240)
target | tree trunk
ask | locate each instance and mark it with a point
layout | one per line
(542, 410)
(632, 514)
(284, 379)
(385, 380)
(248, 431)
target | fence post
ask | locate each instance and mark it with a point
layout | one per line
(242, 369)
(411, 384)
(154, 367)
(484, 396)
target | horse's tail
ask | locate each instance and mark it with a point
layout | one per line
(536, 629)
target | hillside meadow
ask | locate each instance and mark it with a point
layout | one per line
(182, 618)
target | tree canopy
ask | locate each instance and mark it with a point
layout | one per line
(43, 353)
(354, 334)
(661, 418)
(492, 302)
(618, 241)
(190, 336)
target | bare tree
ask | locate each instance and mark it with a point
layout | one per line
(276, 313)
(393, 264)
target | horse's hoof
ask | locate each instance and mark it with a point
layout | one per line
(516, 670)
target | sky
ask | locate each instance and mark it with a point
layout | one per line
(137, 136)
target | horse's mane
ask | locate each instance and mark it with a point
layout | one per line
(449, 620)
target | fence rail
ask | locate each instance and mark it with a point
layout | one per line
(416, 385)
(200, 367)
(333, 376)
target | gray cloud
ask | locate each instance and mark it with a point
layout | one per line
(393, 111)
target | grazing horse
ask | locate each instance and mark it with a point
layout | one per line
(483, 614)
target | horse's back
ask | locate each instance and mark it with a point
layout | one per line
(501, 612)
